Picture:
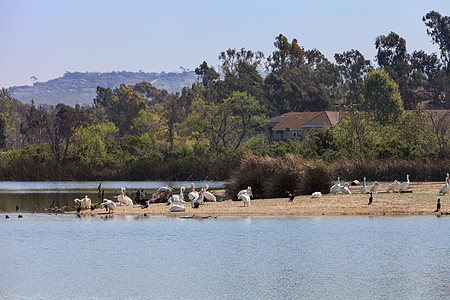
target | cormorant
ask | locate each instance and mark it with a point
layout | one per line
(438, 206)
(7, 217)
(370, 199)
(19, 216)
(17, 207)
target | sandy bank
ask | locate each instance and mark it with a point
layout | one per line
(422, 201)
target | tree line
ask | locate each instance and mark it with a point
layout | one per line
(141, 132)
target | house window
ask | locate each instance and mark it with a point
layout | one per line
(294, 134)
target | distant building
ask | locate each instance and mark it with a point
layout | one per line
(294, 125)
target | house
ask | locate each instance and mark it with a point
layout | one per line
(294, 125)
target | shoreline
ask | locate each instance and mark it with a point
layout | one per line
(422, 201)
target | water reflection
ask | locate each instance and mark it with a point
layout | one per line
(40, 196)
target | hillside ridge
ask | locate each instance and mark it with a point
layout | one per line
(80, 87)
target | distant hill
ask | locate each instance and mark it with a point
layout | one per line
(80, 88)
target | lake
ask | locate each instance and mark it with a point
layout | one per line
(58, 256)
(39, 196)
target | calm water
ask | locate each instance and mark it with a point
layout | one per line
(49, 256)
(66, 257)
(38, 196)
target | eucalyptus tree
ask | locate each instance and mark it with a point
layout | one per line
(353, 69)
(439, 31)
(393, 57)
(294, 85)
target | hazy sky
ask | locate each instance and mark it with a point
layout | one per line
(46, 38)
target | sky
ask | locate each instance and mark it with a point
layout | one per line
(46, 38)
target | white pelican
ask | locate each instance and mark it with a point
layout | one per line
(246, 199)
(84, 203)
(445, 189)
(316, 195)
(337, 187)
(374, 187)
(247, 191)
(123, 198)
(177, 208)
(192, 194)
(404, 185)
(196, 201)
(177, 198)
(345, 189)
(208, 195)
(363, 187)
(393, 186)
(109, 205)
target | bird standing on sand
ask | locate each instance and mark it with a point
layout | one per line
(438, 206)
(404, 185)
(291, 195)
(364, 187)
(370, 199)
(374, 187)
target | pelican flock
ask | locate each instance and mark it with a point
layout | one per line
(176, 201)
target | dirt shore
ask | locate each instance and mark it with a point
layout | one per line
(421, 201)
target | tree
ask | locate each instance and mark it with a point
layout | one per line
(2, 131)
(206, 74)
(287, 55)
(121, 105)
(232, 59)
(391, 50)
(439, 31)
(60, 125)
(355, 131)
(381, 96)
(227, 123)
(353, 68)
(8, 107)
(393, 58)
(440, 121)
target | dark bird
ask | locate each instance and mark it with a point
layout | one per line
(146, 205)
(7, 217)
(19, 216)
(99, 186)
(78, 209)
(196, 204)
(93, 207)
(17, 207)
(438, 206)
(291, 195)
(370, 199)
